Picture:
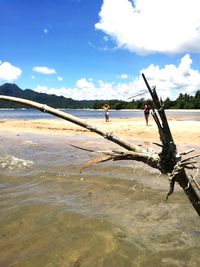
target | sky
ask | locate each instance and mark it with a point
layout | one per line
(98, 49)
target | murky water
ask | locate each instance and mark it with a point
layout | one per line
(112, 214)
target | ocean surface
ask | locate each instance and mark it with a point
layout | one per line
(113, 214)
(26, 114)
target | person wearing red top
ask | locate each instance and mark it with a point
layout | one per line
(146, 113)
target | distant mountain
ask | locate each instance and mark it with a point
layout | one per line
(9, 89)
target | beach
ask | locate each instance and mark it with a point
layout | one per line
(185, 132)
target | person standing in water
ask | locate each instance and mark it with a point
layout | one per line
(146, 113)
(106, 111)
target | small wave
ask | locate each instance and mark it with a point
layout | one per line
(13, 163)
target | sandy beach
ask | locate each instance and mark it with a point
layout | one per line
(184, 132)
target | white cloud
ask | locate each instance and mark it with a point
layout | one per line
(86, 89)
(84, 84)
(149, 26)
(42, 89)
(8, 72)
(123, 76)
(60, 79)
(44, 70)
(170, 81)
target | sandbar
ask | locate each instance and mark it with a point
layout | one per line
(185, 132)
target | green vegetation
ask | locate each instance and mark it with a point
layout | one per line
(184, 101)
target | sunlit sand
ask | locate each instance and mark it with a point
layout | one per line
(184, 132)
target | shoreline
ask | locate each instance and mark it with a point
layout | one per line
(178, 110)
(183, 132)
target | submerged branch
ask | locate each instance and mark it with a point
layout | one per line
(150, 158)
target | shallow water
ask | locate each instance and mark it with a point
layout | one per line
(112, 214)
(29, 114)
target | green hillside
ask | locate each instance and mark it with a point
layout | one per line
(9, 89)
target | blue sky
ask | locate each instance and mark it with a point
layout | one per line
(92, 49)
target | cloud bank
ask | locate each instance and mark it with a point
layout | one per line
(171, 80)
(150, 26)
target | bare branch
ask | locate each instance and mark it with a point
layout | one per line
(44, 108)
(195, 181)
(187, 152)
(97, 160)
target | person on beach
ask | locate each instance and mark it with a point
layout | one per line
(146, 113)
(106, 111)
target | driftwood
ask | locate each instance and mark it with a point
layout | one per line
(167, 160)
(171, 162)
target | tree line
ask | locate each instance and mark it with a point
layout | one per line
(183, 101)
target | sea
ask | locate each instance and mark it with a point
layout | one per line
(111, 214)
(29, 114)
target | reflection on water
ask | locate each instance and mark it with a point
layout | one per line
(112, 214)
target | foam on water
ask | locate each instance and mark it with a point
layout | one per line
(12, 163)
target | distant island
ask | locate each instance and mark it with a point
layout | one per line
(183, 101)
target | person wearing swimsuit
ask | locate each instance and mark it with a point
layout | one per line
(106, 111)
(146, 113)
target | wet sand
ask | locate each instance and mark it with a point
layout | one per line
(109, 215)
(184, 132)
